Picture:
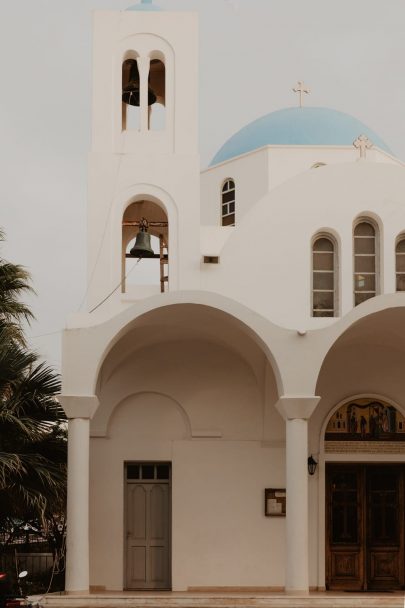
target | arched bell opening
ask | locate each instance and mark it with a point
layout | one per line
(131, 117)
(157, 82)
(155, 78)
(145, 234)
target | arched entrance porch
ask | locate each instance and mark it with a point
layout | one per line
(363, 368)
(190, 386)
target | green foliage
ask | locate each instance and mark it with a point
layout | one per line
(33, 442)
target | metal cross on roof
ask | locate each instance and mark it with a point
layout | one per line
(301, 88)
(363, 143)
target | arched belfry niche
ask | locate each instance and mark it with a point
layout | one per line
(365, 425)
(154, 71)
(145, 89)
(145, 238)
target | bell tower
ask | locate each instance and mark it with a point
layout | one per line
(144, 166)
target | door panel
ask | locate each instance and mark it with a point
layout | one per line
(137, 562)
(345, 546)
(364, 527)
(148, 535)
(384, 530)
(137, 504)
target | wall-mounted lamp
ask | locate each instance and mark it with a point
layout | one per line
(312, 464)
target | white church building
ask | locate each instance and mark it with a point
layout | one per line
(236, 410)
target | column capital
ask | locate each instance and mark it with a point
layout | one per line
(297, 407)
(79, 406)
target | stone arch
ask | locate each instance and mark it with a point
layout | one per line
(331, 335)
(210, 302)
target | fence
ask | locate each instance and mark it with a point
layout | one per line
(35, 563)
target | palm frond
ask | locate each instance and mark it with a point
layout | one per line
(14, 281)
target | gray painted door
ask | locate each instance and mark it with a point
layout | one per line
(148, 535)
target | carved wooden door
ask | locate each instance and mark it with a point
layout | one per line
(364, 527)
(385, 550)
(345, 528)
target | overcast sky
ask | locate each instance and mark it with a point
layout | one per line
(252, 52)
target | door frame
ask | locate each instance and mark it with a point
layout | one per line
(126, 483)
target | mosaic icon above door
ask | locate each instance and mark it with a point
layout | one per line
(366, 420)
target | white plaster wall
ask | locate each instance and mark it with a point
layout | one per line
(217, 501)
(259, 171)
(266, 262)
(220, 534)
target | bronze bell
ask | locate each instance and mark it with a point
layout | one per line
(142, 247)
(131, 89)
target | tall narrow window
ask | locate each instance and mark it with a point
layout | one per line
(323, 277)
(228, 203)
(400, 263)
(365, 262)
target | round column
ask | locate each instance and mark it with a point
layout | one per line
(77, 546)
(297, 571)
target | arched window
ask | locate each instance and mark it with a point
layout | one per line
(400, 263)
(365, 261)
(324, 281)
(228, 203)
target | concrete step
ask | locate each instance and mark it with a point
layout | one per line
(229, 600)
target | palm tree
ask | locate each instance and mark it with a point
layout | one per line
(32, 443)
(32, 423)
(14, 282)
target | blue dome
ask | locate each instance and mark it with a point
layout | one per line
(144, 5)
(297, 126)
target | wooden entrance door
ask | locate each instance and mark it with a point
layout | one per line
(148, 526)
(365, 527)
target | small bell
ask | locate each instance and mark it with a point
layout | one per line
(142, 247)
(131, 89)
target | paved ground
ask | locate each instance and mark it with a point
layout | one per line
(225, 600)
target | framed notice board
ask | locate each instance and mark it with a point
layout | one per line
(274, 502)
